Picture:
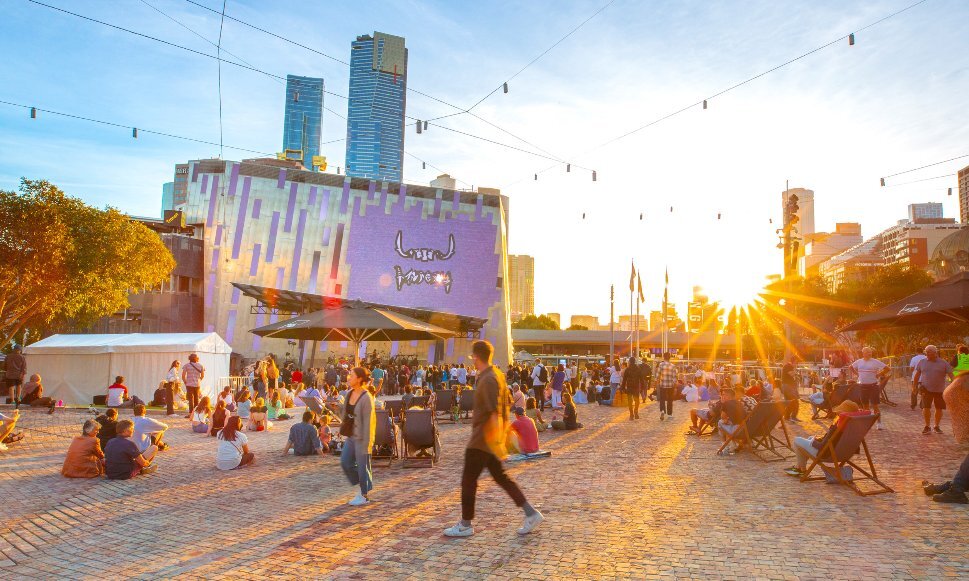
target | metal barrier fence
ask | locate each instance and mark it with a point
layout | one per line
(235, 383)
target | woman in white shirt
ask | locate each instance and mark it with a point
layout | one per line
(202, 416)
(233, 451)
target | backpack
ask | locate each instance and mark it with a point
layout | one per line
(542, 374)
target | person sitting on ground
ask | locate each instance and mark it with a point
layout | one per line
(202, 416)
(118, 394)
(225, 396)
(407, 397)
(122, 457)
(85, 459)
(219, 416)
(258, 421)
(952, 491)
(274, 408)
(732, 414)
(304, 438)
(581, 396)
(160, 397)
(570, 417)
(531, 410)
(109, 426)
(243, 404)
(517, 397)
(148, 431)
(33, 390)
(285, 397)
(702, 417)
(608, 394)
(527, 432)
(233, 451)
(7, 425)
(808, 448)
(691, 393)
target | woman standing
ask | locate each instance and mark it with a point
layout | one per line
(172, 381)
(233, 451)
(359, 426)
(260, 378)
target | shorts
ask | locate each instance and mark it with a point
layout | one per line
(728, 428)
(870, 394)
(932, 396)
(703, 414)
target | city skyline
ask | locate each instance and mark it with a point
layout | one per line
(834, 122)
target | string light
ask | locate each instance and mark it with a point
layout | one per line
(704, 103)
(419, 127)
(851, 39)
(568, 168)
(506, 88)
(134, 132)
(33, 112)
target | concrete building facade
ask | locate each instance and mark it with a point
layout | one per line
(521, 274)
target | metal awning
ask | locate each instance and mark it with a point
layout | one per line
(274, 301)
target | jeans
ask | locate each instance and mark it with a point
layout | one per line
(192, 394)
(356, 468)
(170, 397)
(475, 461)
(540, 396)
(666, 400)
(805, 451)
(960, 483)
(632, 400)
(556, 398)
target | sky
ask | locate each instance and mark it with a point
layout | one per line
(834, 121)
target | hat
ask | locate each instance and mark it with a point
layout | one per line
(519, 411)
(845, 407)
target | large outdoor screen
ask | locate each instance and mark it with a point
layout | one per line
(398, 257)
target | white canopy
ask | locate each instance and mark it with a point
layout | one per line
(75, 368)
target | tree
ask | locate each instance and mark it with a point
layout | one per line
(540, 322)
(577, 328)
(61, 259)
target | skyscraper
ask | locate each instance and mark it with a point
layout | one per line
(521, 272)
(805, 213)
(964, 195)
(303, 122)
(375, 111)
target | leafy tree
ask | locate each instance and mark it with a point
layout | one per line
(577, 328)
(540, 322)
(61, 259)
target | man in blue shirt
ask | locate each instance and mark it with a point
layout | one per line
(304, 439)
(377, 375)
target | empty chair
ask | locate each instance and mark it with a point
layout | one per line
(467, 402)
(421, 441)
(385, 444)
(445, 401)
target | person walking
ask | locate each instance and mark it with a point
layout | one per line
(789, 390)
(360, 428)
(930, 379)
(15, 373)
(869, 370)
(632, 384)
(666, 384)
(192, 375)
(539, 379)
(171, 384)
(486, 447)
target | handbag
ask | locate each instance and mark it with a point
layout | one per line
(349, 417)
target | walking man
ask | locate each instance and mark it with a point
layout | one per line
(931, 377)
(632, 384)
(666, 381)
(14, 376)
(789, 390)
(486, 448)
(869, 370)
(192, 375)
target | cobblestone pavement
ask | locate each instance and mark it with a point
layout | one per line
(622, 499)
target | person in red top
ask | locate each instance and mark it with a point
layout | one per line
(117, 393)
(524, 426)
(297, 376)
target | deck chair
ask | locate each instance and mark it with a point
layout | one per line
(847, 442)
(395, 407)
(385, 443)
(419, 401)
(467, 402)
(761, 424)
(420, 440)
(315, 405)
(445, 401)
(883, 385)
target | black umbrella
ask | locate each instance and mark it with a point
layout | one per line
(353, 321)
(943, 302)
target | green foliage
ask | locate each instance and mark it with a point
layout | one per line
(577, 328)
(61, 259)
(540, 322)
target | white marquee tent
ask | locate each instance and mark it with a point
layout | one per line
(75, 368)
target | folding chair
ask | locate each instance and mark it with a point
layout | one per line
(385, 443)
(760, 431)
(420, 439)
(445, 401)
(467, 402)
(419, 401)
(395, 407)
(847, 441)
(315, 405)
(883, 384)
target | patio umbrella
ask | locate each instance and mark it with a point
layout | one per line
(943, 302)
(356, 322)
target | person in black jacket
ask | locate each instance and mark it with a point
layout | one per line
(632, 384)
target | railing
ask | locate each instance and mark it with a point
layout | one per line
(235, 383)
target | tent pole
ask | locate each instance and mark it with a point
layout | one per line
(313, 354)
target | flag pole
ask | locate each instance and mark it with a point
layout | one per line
(632, 287)
(612, 330)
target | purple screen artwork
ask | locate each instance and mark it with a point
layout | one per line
(405, 260)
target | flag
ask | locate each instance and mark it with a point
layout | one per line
(639, 281)
(632, 278)
(665, 291)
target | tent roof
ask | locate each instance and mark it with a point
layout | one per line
(129, 343)
(942, 302)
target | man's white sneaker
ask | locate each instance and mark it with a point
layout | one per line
(459, 530)
(359, 500)
(530, 523)
(878, 426)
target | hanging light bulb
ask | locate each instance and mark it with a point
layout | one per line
(771, 220)
(950, 191)
(583, 215)
(851, 39)
(337, 170)
(418, 126)
(33, 112)
(704, 103)
(425, 126)
(640, 215)
(883, 182)
(568, 168)
(671, 209)
(593, 175)
(718, 215)
(505, 86)
(536, 177)
(423, 165)
(134, 132)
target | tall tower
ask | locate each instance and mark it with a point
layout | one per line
(303, 122)
(521, 271)
(964, 195)
(375, 111)
(805, 200)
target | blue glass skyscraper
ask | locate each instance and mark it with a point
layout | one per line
(375, 118)
(303, 123)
